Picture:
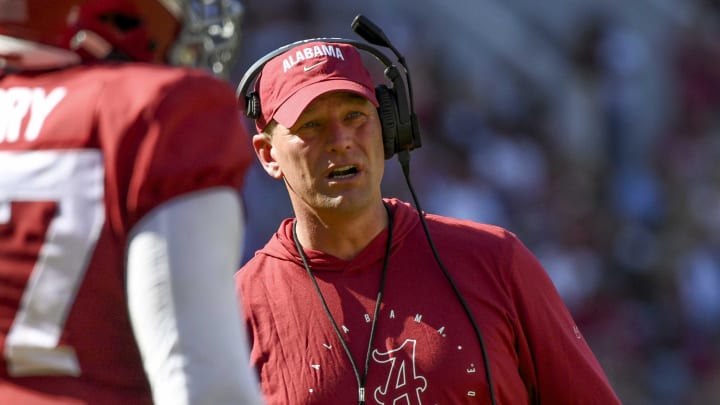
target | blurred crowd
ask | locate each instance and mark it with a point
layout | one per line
(593, 133)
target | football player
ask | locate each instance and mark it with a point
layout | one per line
(120, 217)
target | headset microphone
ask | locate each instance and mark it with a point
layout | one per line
(372, 33)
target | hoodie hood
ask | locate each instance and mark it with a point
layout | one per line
(281, 246)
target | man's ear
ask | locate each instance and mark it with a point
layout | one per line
(264, 151)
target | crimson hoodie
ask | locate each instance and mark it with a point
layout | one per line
(425, 350)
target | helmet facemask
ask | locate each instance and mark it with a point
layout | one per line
(210, 35)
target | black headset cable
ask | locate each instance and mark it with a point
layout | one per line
(404, 159)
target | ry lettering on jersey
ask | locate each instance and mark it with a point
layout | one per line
(311, 52)
(23, 111)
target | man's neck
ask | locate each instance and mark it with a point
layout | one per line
(338, 233)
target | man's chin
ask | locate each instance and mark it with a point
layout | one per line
(344, 202)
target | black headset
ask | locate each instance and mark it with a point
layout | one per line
(400, 131)
(398, 120)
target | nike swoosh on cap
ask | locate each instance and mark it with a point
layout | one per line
(311, 67)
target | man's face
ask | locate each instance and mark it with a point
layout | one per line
(332, 157)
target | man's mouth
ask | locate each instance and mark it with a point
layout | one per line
(343, 172)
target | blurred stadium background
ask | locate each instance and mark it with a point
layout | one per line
(588, 128)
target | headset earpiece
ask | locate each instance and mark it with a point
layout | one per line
(387, 111)
(252, 103)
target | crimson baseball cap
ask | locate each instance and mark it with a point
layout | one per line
(292, 80)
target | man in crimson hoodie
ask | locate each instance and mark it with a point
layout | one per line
(360, 298)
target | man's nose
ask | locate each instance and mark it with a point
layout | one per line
(340, 137)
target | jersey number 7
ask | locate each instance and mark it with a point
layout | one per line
(51, 214)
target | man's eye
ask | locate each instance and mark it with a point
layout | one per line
(356, 116)
(309, 124)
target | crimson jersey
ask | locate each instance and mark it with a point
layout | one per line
(425, 350)
(85, 153)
